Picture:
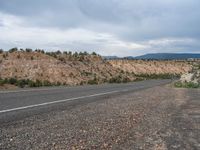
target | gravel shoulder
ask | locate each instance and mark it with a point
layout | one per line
(157, 118)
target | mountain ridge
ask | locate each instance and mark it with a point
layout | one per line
(168, 56)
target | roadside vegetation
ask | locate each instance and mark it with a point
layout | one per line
(157, 76)
(180, 84)
(116, 79)
(26, 82)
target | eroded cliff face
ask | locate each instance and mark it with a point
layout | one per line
(151, 67)
(68, 70)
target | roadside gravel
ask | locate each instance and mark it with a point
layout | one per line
(158, 118)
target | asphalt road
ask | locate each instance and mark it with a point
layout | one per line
(22, 103)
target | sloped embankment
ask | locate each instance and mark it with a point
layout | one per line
(71, 69)
(151, 67)
(62, 69)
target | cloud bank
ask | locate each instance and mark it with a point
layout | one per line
(111, 27)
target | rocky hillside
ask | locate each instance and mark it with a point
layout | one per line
(60, 68)
(82, 68)
(151, 67)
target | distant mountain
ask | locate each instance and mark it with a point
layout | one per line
(168, 56)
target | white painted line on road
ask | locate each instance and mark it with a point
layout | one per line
(54, 102)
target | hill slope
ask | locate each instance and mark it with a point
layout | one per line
(139, 67)
(70, 69)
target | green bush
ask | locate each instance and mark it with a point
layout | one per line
(21, 83)
(47, 83)
(93, 81)
(116, 79)
(28, 50)
(1, 82)
(12, 81)
(31, 83)
(93, 53)
(186, 85)
(178, 84)
(13, 50)
(158, 76)
(26, 82)
(58, 84)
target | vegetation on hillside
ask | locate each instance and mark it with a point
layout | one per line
(35, 68)
(158, 76)
(26, 82)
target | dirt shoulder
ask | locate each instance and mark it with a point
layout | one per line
(156, 118)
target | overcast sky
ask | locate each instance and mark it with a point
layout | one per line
(109, 27)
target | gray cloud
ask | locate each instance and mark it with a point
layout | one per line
(128, 23)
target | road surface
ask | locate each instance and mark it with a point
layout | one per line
(156, 118)
(21, 103)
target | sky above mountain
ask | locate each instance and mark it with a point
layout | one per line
(109, 27)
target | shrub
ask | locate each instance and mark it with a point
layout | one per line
(5, 81)
(13, 50)
(81, 58)
(12, 81)
(93, 53)
(58, 84)
(178, 84)
(70, 53)
(85, 53)
(75, 55)
(125, 80)
(4, 55)
(21, 83)
(31, 83)
(58, 52)
(158, 76)
(117, 79)
(65, 52)
(39, 51)
(38, 83)
(28, 50)
(18, 56)
(47, 83)
(93, 81)
(186, 85)
(1, 82)
(61, 59)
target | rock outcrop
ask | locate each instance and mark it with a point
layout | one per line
(193, 76)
